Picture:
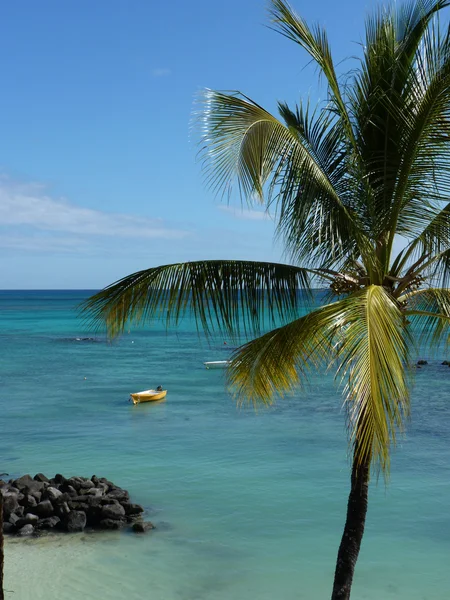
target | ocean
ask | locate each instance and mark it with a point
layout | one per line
(247, 505)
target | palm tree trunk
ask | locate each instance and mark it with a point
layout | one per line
(2, 597)
(353, 531)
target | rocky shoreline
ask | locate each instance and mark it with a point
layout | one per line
(32, 505)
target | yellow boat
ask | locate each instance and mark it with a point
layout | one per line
(148, 396)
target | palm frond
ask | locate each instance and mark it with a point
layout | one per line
(429, 313)
(365, 337)
(431, 241)
(234, 297)
(315, 42)
(315, 229)
(398, 100)
(245, 144)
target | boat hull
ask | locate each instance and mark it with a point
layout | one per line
(148, 396)
(217, 364)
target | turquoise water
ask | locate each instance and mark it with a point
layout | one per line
(247, 505)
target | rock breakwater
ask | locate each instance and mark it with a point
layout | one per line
(35, 504)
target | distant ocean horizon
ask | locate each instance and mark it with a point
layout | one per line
(246, 504)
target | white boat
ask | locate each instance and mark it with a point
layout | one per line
(217, 364)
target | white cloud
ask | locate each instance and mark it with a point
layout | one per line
(28, 205)
(161, 72)
(247, 214)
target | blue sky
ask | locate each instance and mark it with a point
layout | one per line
(98, 169)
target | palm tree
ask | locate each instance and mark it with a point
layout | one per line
(346, 181)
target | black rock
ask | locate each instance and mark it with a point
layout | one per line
(52, 493)
(28, 519)
(113, 511)
(422, 362)
(44, 509)
(76, 521)
(32, 486)
(36, 495)
(26, 530)
(446, 363)
(49, 523)
(93, 516)
(13, 519)
(111, 524)
(28, 501)
(105, 484)
(8, 527)
(87, 485)
(62, 510)
(66, 488)
(78, 506)
(107, 500)
(40, 477)
(61, 499)
(23, 481)
(92, 500)
(142, 526)
(75, 483)
(59, 478)
(10, 504)
(119, 494)
(132, 509)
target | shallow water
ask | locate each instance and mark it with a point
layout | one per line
(247, 505)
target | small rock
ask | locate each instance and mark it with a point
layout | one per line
(92, 500)
(63, 498)
(28, 501)
(132, 509)
(62, 510)
(87, 485)
(53, 493)
(13, 519)
(119, 494)
(28, 519)
(41, 477)
(113, 511)
(73, 481)
(23, 481)
(111, 524)
(36, 495)
(48, 523)
(44, 509)
(59, 478)
(142, 526)
(8, 527)
(76, 521)
(26, 530)
(10, 504)
(108, 483)
(422, 362)
(78, 506)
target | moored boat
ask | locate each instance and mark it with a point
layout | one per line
(148, 396)
(217, 364)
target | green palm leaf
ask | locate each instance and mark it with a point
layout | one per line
(429, 313)
(233, 297)
(365, 338)
(246, 145)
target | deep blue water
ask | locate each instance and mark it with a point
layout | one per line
(247, 505)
